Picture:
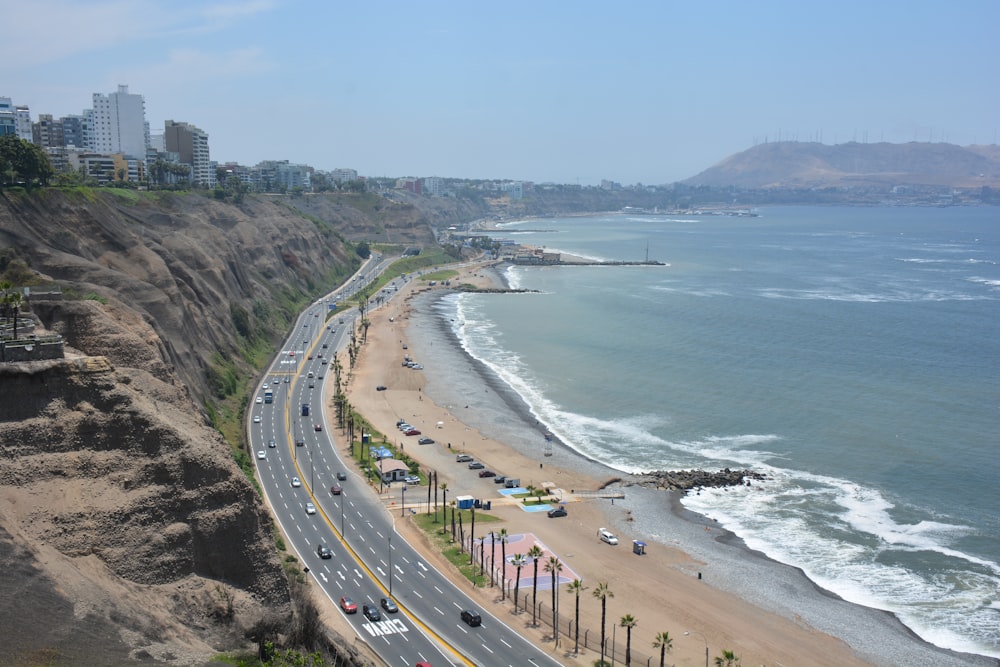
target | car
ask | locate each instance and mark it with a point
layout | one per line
(312, 385)
(262, 454)
(423, 664)
(556, 512)
(310, 508)
(256, 419)
(347, 604)
(310, 357)
(607, 536)
(272, 443)
(264, 386)
(341, 475)
(403, 426)
(412, 431)
(260, 399)
(299, 442)
(336, 489)
(476, 465)
(381, 387)
(426, 441)
(499, 479)
(324, 551)
(372, 613)
(412, 479)
(325, 362)
(487, 473)
(324, 344)
(319, 376)
(462, 458)
(389, 606)
(296, 483)
(319, 355)
(317, 427)
(472, 618)
(287, 380)
(405, 346)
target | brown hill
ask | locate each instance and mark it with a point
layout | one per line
(814, 165)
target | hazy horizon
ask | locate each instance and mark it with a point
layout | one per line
(652, 93)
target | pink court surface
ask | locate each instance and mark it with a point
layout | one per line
(521, 544)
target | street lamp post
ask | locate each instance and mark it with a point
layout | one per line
(402, 502)
(390, 556)
(342, 494)
(688, 632)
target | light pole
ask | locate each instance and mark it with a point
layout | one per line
(343, 492)
(687, 632)
(402, 502)
(390, 556)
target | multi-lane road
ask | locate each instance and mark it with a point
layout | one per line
(369, 561)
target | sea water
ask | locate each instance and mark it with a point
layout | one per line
(850, 354)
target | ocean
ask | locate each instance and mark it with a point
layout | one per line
(850, 354)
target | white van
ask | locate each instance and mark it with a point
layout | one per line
(607, 536)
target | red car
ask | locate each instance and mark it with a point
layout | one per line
(413, 431)
(347, 604)
(487, 473)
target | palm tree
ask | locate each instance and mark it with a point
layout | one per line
(518, 560)
(664, 642)
(535, 552)
(444, 502)
(628, 622)
(503, 570)
(727, 659)
(576, 587)
(554, 567)
(603, 593)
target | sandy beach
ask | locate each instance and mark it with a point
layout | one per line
(695, 581)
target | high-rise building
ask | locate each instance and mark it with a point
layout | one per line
(22, 119)
(47, 132)
(191, 144)
(119, 124)
(76, 131)
(7, 123)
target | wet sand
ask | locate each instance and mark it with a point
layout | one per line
(694, 577)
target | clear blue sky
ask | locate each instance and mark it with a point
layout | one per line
(566, 91)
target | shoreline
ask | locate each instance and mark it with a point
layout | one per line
(816, 621)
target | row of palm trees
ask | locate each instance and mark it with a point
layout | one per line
(10, 303)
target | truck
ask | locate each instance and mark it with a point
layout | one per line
(268, 396)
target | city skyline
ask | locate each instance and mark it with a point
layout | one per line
(651, 93)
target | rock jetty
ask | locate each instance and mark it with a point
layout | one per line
(685, 480)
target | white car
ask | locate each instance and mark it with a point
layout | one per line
(261, 454)
(256, 419)
(607, 536)
(265, 385)
(259, 400)
(310, 508)
(295, 482)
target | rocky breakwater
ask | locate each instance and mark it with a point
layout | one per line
(686, 480)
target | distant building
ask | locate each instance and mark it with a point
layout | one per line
(22, 120)
(119, 124)
(344, 175)
(434, 186)
(8, 122)
(191, 145)
(47, 132)
(413, 185)
(76, 131)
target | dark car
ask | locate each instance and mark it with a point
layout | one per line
(557, 511)
(426, 441)
(336, 489)
(487, 473)
(371, 612)
(500, 479)
(476, 465)
(389, 606)
(381, 387)
(412, 431)
(471, 618)
(300, 442)
(341, 475)
(324, 551)
(272, 443)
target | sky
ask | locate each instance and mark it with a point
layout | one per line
(647, 91)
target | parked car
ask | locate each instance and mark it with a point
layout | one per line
(412, 431)
(412, 479)
(341, 475)
(381, 387)
(499, 479)
(476, 465)
(462, 458)
(336, 489)
(487, 473)
(425, 441)
(607, 536)
(324, 551)
(372, 613)
(557, 511)
(472, 618)
(389, 606)
(348, 605)
(262, 454)
(295, 482)
(310, 508)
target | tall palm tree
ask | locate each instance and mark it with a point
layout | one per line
(602, 592)
(727, 659)
(535, 552)
(576, 587)
(554, 567)
(444, 502)
(503, 568)
(518, 560)
(664, 642)
(628, 622)
(493, 555)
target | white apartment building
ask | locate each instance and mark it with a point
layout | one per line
(191, 144)
(119, 124)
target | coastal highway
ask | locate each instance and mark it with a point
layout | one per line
(369, 559)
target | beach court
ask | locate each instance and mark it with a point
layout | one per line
(521, 544)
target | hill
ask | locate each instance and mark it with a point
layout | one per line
(799, 165)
